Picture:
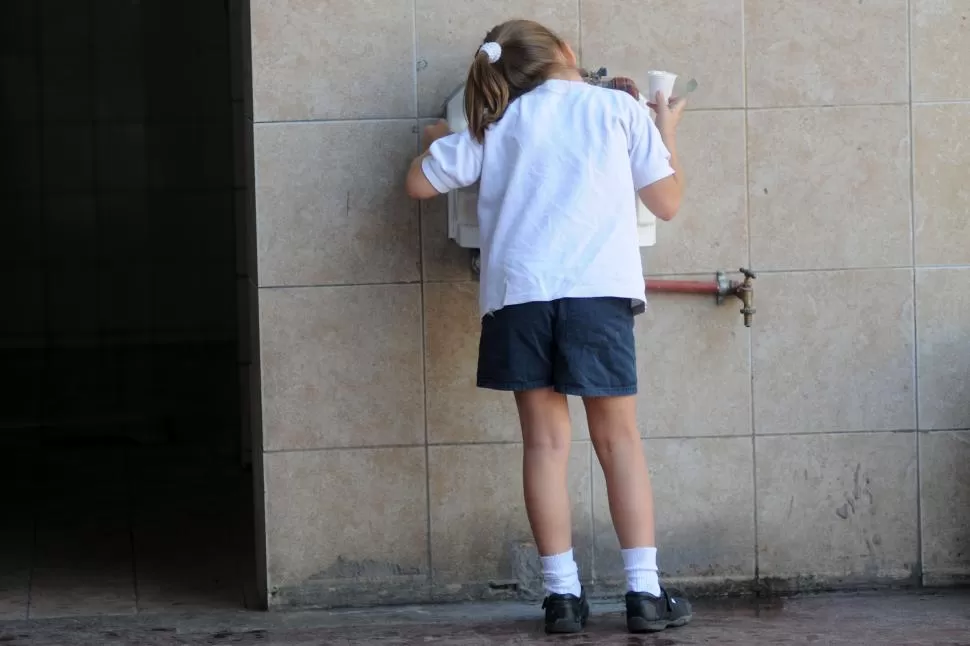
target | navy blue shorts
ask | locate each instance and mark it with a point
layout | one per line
(578, 346)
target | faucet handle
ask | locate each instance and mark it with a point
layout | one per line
(748, 273)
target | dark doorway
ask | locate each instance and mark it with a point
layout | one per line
(124, 194)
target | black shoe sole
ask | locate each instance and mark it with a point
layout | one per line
(639, 625)
(564, 627)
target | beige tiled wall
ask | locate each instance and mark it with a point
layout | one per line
(826, 147)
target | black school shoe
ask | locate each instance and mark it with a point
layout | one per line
(646, 613)
(565, 613)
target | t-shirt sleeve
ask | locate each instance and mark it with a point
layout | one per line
(454, 162)
(649, 157)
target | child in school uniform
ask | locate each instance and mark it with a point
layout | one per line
(560, 164)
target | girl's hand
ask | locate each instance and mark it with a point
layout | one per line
(435, 132)
(668, 113)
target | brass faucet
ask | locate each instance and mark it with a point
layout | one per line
(725, 287)
(745, 292)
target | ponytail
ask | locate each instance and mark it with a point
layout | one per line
(517, 57)
(487, 95)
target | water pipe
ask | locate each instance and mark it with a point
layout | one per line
(721, 287)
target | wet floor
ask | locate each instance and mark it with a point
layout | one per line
(878, 619)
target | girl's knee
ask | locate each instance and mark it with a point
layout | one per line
(548, 442)
(617, 440)
(544, 417)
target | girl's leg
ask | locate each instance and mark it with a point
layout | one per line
(546, 433)
(616, 440)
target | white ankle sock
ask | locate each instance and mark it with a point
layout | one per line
(560, 574)
(640, 564)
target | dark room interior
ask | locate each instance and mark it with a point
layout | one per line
(124, 338)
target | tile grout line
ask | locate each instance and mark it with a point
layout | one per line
(343, 285)
(665, 274)
(424, 382)
(747, 212)
(733, 108)
(423, 318)
(939, 102)
(132, 504)
(33, 566)
(592, 452)
(341, 120)
(824, 106)
(43, 200)
(414, 56)
(649, 438)
(96, 178)
(579, 32)
(912, 229)
(33, 541)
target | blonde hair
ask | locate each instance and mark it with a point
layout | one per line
(530, 54)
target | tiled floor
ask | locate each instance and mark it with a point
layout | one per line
(113, 547)
(866, 620)
(109, 531)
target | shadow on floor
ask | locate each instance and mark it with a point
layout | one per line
(116, 531)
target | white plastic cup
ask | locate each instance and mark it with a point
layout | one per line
(662, 82)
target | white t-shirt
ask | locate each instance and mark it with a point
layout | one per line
(557, 211)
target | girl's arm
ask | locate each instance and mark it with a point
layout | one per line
(417, 185)
(663, 197)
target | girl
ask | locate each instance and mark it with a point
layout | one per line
(560, 164)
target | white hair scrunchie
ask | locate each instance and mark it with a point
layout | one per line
(494, 51)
